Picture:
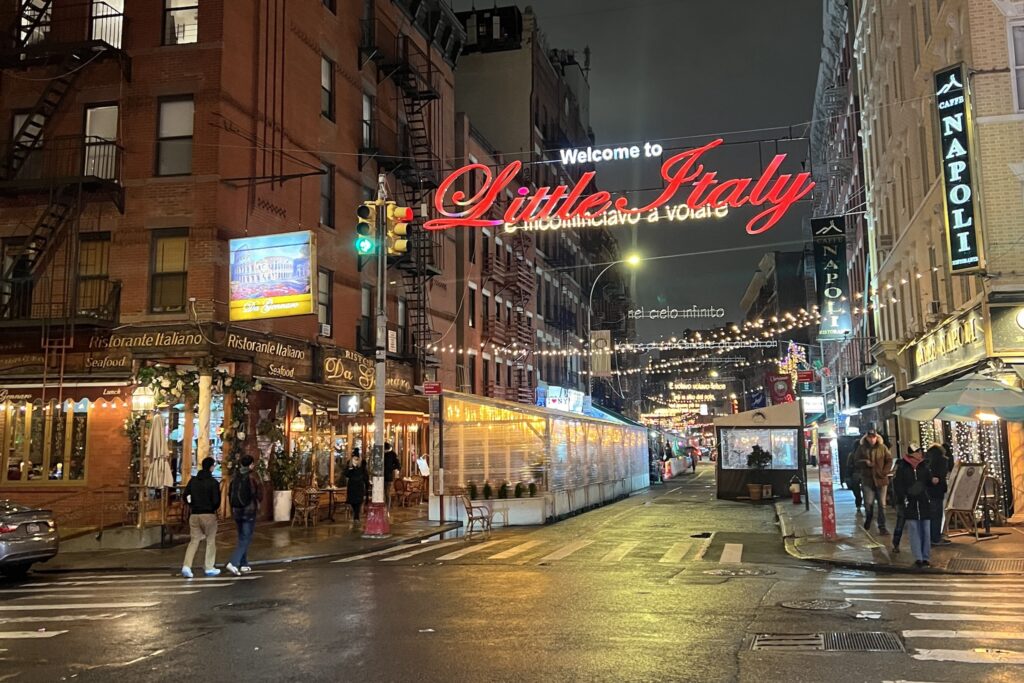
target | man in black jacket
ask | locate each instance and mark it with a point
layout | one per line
(939, 465)
(203, 497)
(392, 470)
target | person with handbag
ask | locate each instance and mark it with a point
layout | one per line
(910, 485)
(244, 494)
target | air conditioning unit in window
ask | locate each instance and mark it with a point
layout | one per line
(325, 329)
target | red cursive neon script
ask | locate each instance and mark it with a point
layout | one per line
(777, 192)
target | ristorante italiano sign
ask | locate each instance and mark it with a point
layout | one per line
(687, 181)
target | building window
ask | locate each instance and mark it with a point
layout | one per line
(486, 307)
(327, 88)
(497, 373)
(471, 368)
(327, 196)
(174, 137)
(324, 280)
(1017, 34)
(403, 325)
(44, 442)
(486, 371)
(367, 121)
(168, 271)
(93, 271)
(181, 21)
(331, 5)
(471, 307)
(101, 142)
(471, 244)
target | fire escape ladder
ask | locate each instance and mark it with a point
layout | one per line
(38, 249)
(31, 15)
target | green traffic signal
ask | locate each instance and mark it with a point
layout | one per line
(366, 213)
(364, 245)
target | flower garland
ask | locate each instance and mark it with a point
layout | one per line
(172, 385)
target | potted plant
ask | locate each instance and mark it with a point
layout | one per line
(533, 489)
(284, 472)
(503, 491)
(519, 490)
(471, 490)
(488, 491)
(758, 460)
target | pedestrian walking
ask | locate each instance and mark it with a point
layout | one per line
(202, 493)
(356, 480)
(874, 460)
(939, 465)
(910, 486)
(244, 495)
(853, 479)
(901, 516)
(392, 471)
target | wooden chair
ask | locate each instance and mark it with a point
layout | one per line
(398, 490)
(478, 516)
(414, 491)
(306, 502)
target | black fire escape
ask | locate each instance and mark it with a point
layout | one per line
(54, 44)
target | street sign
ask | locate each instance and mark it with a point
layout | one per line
(431, 388)
(828, 503)
(805, 376)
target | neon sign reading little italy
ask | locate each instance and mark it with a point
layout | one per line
(775, 192)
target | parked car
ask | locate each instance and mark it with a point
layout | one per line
(27, 536)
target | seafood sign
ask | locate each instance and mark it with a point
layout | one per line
(773, 192)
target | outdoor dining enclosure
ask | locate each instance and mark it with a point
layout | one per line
(533, 463)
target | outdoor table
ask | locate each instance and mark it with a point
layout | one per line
(331, 491)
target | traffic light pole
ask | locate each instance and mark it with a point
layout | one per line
(377, 523)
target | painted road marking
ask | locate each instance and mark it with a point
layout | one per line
(93, 596)
(13, 635)
(376, 553)
(922, 584)
(952, 594)
(947, 603)
(705, 545)
(958, 616)
(566, 550)
(72, 589)
(977, 656)
(135, 584)
(516, 550)
(927, 579)
(79, 605)
(732, 553)
(63, 617)
(467, 550)
(676, 552)
(982, 635)
(620, 552)
(428, 547)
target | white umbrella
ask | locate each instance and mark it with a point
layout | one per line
(158, 472)
(962, 399)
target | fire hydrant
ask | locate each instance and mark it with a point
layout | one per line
(794, 490)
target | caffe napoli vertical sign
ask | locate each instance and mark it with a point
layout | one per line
(831, 276)
(953, 106)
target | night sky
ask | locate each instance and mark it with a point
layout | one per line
(682, 72)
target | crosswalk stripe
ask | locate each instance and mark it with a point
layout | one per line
(73, 589)
(566, 550)
(13, 635)
(516, 550)
(704, 546)
(676, 552)
(903, 591)
(620, 552)
(932, 584)
(946, 603)
(375, 553)
(732, 553)
(79, 605)
(982, 635)
(93, 596)
(978, 656)
(135, 584)
(427, 547)
(929, 579)
(62, 617)
(958, 616)
(468, 550)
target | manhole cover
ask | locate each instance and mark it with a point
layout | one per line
(244, 605)
(868, 641)
(703, 534)
(967, 564)
(739, 572)
(816, 605)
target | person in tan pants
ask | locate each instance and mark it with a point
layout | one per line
(203, 497)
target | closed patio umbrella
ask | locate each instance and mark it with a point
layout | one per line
(962, 399)
(158, 472)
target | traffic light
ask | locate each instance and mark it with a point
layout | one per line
(365, 228)
(399, 218)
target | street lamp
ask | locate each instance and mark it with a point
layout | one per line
(632, 260)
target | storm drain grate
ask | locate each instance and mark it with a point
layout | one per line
(868, 641)
(785, 642)
(863, 641)
(968, 564)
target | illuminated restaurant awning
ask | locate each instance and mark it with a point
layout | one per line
(65, 391)
(326, 398)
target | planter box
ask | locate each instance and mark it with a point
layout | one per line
(282, 506)
(519, 511)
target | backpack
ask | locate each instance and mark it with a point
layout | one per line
(241, 494)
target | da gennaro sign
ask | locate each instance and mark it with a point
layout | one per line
(953, 106)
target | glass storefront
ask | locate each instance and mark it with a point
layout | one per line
(44, 441)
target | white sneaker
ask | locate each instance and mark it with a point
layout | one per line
(245, 569)
(212, 572)
(232, 569)
(186, 572)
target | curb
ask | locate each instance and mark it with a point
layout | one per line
(384, 545)
(789, 541)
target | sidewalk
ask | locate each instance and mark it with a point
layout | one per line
(857, 549)
(272, 543)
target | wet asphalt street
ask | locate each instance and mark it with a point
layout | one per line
(666, 586)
